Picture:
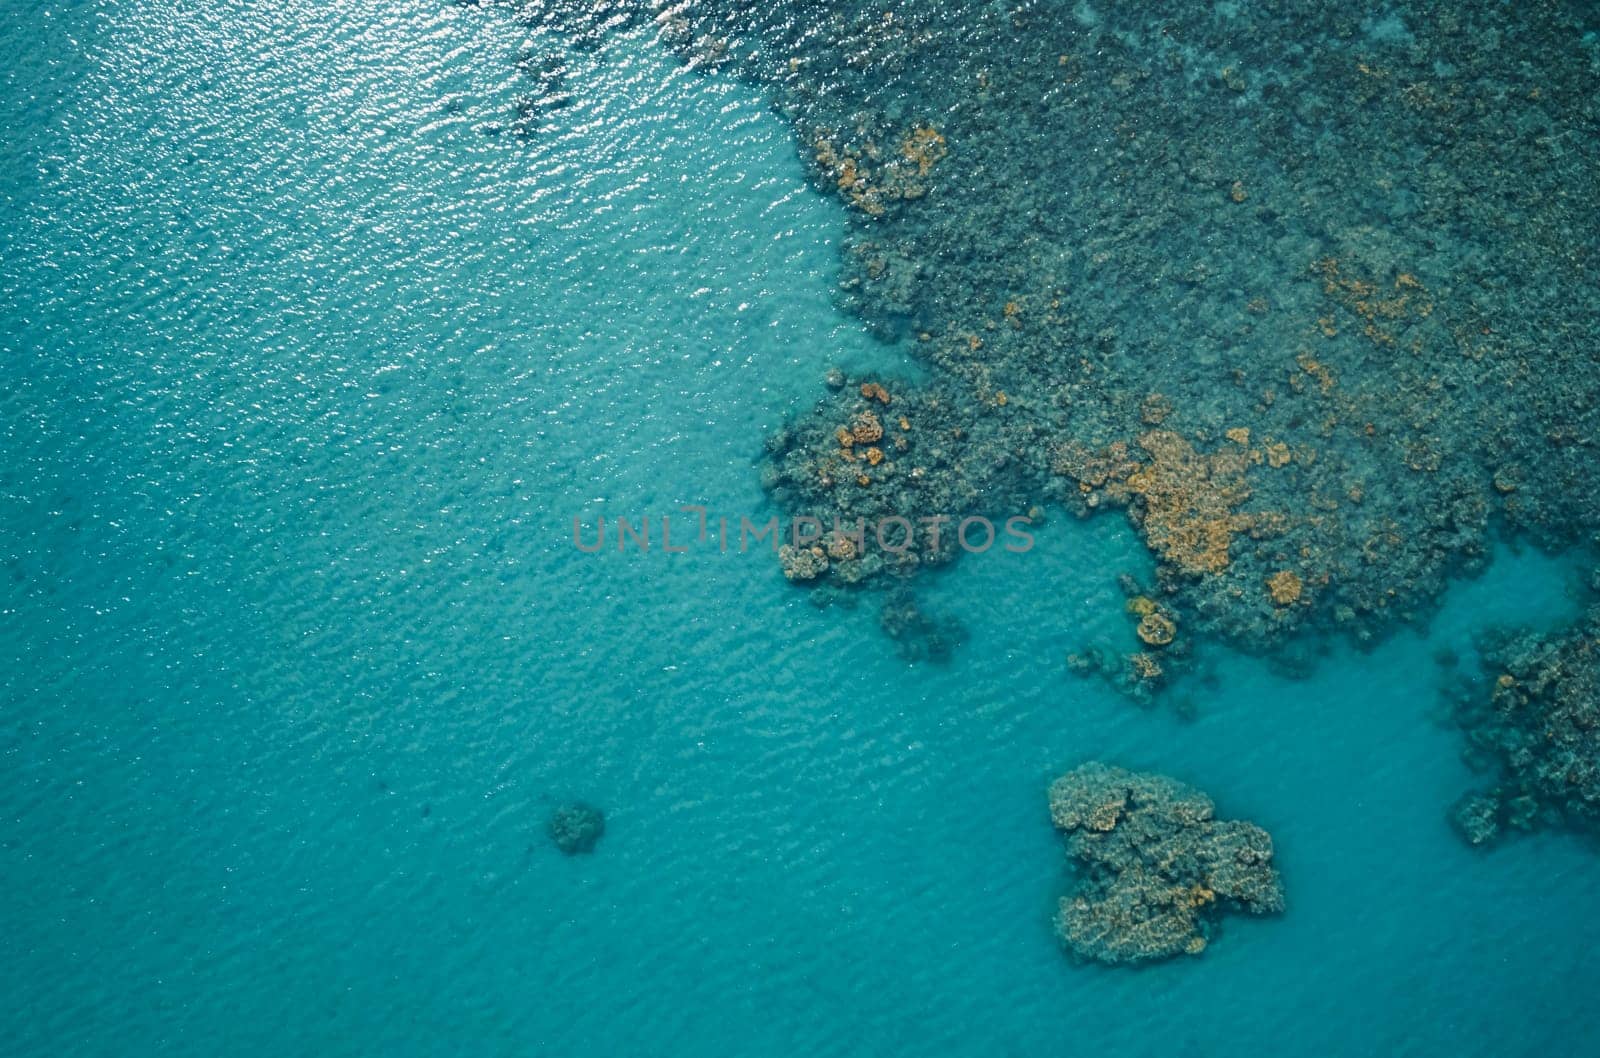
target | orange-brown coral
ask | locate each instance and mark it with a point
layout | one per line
(841, 547)
(874, 391)
(1185, 501)
(870, 181)
(1190, 500)
(1285, 587)
(1154, 409)
(924, 146)
(1157, 629)
(1142, 605)
(866, 428)
(1144, 666)
(1407, 298)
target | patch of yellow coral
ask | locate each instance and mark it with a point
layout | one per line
(1144, 666)
(866, 428)
(1190, 499)
(1285, 587)
(1104, 817)
(1317, 370)
(1157, 629)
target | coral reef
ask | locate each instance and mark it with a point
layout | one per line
(1313, 305)
(576, 827)
(1285, 587)
(807, 563)
(871, 179)
(1186, 504)
(1156, 629)
(1534, 723)
(1155, 869)
(901, 472)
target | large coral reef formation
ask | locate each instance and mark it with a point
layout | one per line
(1535, 727)
(1156, 870)
(1314, 304)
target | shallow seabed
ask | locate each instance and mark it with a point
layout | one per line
(310, 357)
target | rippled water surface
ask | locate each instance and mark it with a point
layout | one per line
(312, 351)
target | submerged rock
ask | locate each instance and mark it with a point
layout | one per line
(919, 635)
(1155, 870)
(576, 827)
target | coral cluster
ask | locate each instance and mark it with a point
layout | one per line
(906, 463)
(1186, 503)
(1536, 727)
(1155, 869)
(870, 178)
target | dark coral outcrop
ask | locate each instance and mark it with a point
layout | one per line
(576, 827)
(1533, 722)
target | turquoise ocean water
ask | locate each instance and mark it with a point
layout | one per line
(307, 371)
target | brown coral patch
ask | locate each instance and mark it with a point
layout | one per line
(841, 547)
(871, 180)
(1189, 510)
(866, 428)
(1185, 501)
(1157, 629)
(924, 146)
(1405, 299)
(1285, 587)
(1144, 666)
(1154, 409)
(874, 391)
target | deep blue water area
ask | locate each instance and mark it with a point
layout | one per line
(310, 359)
